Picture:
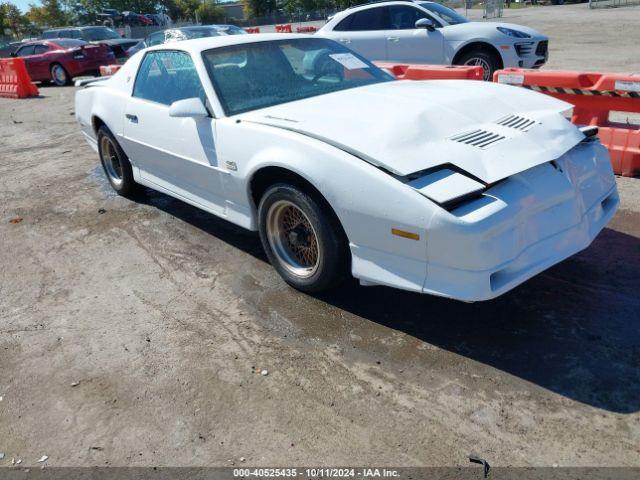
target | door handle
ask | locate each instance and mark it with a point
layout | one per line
(393, 39)
(344, 40)
(132, 118)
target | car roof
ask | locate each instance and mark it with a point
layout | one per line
(198, 27)
(74, 28)
(198, 45)
(377, 2)
(51, 40)
(380, 3)
(39, 42)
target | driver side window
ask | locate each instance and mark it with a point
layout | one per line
(403, 17)
(166, 77)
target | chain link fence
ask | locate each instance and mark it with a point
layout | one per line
(493, 8)
(143, 30)
(612, 3)
(490, 9)
(285, 17)
(317, 18)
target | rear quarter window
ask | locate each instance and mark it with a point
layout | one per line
(369, 19)
(26, 50)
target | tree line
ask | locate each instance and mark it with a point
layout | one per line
(59, 13)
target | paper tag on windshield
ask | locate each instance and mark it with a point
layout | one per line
(349, 61)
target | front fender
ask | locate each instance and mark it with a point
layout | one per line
(367, 201)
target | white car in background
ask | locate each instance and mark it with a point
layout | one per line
(457, 188)
(414, 31)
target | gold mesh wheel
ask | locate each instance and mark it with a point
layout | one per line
(293, 239)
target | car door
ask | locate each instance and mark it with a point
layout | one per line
(32, 61)
(407, 44)
(362, 31)
(176, 154)
(41, 65)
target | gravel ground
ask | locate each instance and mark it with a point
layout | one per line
(134, 333)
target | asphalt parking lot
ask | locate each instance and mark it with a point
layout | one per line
(135, 332)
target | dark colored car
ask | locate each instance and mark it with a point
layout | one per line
(6, 49)
(95, 34)
(109, 16)
(60, 60)
(135, 19)
(155, 19)
(185, 33)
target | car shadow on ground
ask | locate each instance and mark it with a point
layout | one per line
(242, 239)
(574, 329)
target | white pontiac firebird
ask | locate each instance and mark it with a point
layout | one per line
(463, 189)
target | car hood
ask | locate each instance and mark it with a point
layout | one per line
(465, 31)
(409, 126)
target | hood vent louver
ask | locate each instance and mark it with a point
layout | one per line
(478, 138)
(517, 122)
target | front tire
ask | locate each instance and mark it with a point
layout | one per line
(302, 239)
(489, 61)
(59, 75)
(115, 163)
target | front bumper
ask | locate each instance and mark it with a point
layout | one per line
(521, 226)
(526, 53)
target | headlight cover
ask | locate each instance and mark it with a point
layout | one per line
(513, 33)
(446, 187)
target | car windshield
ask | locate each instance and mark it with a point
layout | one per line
(230, 30)
(94, 34)
(448, 15)
(69, 42)
(261, 74)
(198, 33)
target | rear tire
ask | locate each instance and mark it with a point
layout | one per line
(116, 164)
(486, 59)
(59, 75)
(302, 239)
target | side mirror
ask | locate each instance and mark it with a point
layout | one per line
(13, 54)
(188, 108)
(425, 23)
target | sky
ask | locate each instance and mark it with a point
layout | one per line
(24, 4)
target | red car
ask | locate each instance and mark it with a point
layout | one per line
(60, 60)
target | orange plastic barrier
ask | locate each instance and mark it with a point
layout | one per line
(252, 29)
(106, 70)
(284, 28)
(306, 29)
(433, 72)
(594, 96)
(15, 81)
